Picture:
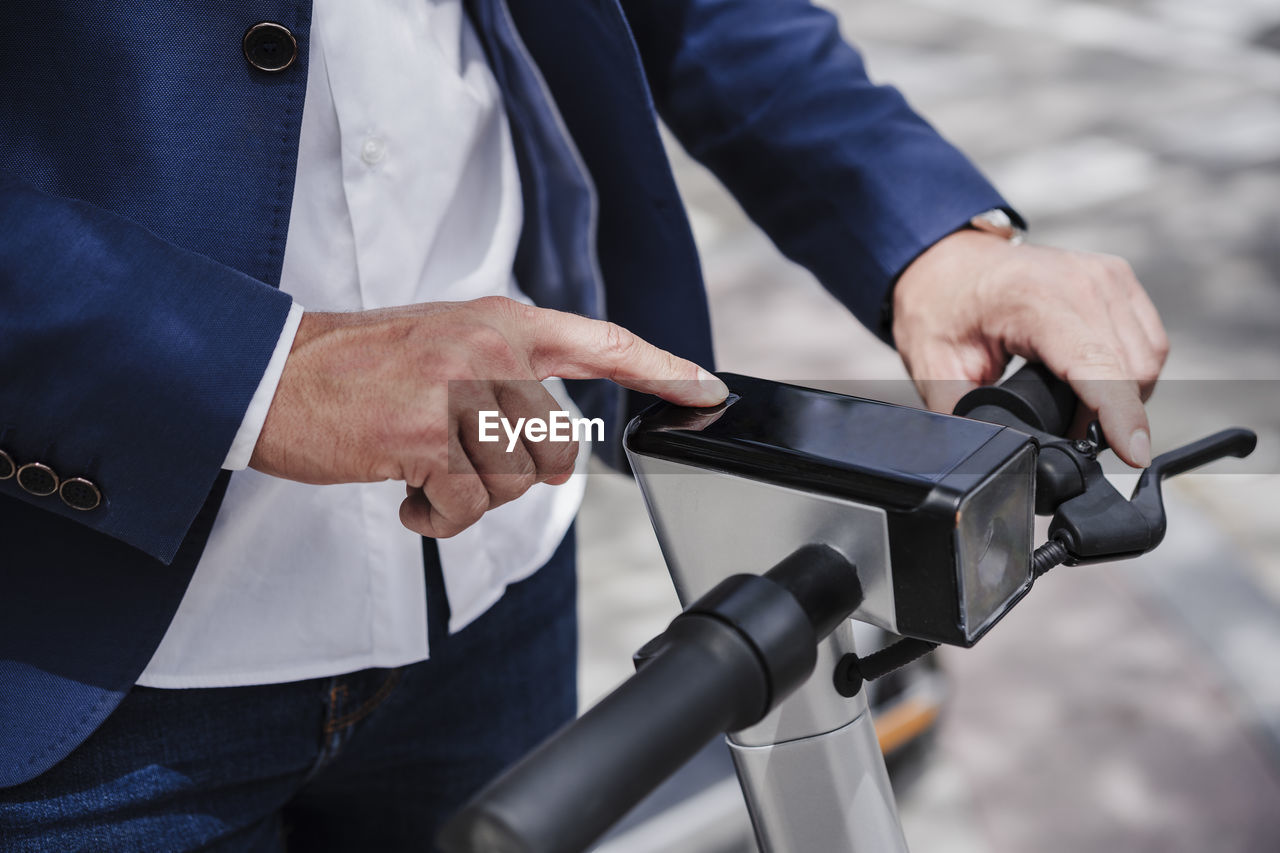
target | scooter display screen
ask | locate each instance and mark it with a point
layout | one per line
(812, 438)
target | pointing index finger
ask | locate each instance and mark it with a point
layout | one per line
(1093, 367)
(574, 347)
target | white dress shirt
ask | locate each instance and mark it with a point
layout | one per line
(406, 191)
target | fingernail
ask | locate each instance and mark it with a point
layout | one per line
(712, 385)
(1140, 448)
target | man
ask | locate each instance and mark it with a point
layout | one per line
(412, 175)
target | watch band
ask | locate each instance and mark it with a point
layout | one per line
(998, 221)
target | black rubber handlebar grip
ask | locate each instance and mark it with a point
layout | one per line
(570, 790)
(1032, 395)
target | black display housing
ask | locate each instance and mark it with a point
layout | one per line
(918, 466)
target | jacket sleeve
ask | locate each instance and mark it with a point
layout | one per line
(844, 177)
(124, 360)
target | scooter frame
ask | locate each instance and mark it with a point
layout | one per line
(811, 772)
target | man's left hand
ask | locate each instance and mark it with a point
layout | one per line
(973, 300)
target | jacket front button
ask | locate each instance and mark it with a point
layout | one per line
(6, 466)
(79, 493)
(269, 46)
(38, 479)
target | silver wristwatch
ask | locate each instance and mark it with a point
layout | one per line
(997, 221)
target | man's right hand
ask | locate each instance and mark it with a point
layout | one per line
(366, 396)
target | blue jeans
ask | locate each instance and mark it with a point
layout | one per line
(370, 761)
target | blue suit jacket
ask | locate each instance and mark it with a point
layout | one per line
(146, 174)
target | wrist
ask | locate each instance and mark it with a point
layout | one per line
(314, 324)
(282, 425)
(964, 255)
(997, 223)
(239, 455)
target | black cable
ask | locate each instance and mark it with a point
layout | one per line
(894, 656)
(1050, 554)
(852, 670)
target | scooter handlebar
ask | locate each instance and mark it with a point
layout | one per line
(719, 667)
(571, 789)
(1033, 396)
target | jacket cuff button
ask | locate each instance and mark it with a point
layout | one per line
(79, 493)
(38, 479)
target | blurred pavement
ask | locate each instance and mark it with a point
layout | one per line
(1129, 707)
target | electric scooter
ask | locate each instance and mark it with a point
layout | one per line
(783, 513)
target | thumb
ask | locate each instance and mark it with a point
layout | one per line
(943, 373)
(942, 395)
(574, 347)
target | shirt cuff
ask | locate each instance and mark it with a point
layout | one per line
(256, 415)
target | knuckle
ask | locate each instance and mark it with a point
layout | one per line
(488, 341)
(1149, 369)
(1161, 346)
(511, 485)
(496, 304)
(527, 313)
(618, 342)
(522, 469)
(416, 473)
(1094, 356)
(505, 309)
(475, 508)
(1116, 269)
(562, 457)
(521, 483)
(501, 489)
(1120, 267)
(470, 502)
(1095, 353)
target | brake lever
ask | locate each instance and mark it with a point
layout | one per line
(1147, 497)
(1092, 522)
(1097, 524)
